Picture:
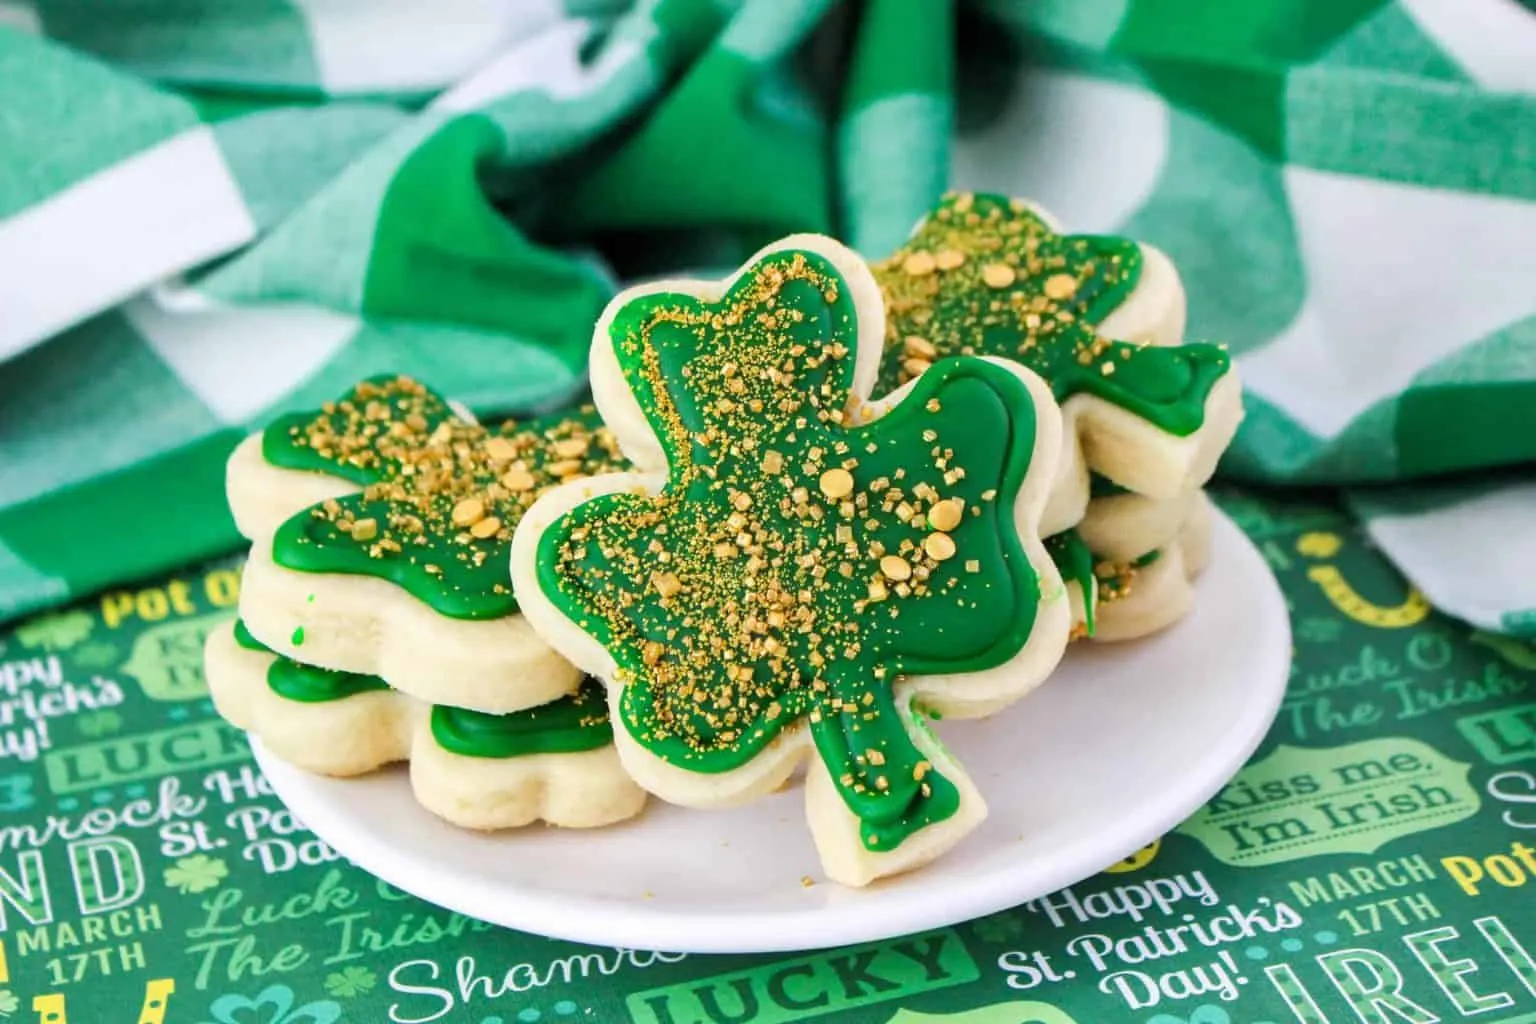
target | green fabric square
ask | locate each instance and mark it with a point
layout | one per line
(1476, 408)
(281, 156)
(23, 587)
(442, 253)
(111, 117)
(1243, 285)
(212, 42)
(92, 400)
(1415, 131)
(1228, 62)
(1390, 40)
(1267, 34)
(488, 372)
(146, 518)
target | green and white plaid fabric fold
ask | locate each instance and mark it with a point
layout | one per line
(208, 216)
(1349, 191)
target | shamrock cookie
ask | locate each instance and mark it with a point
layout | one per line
(990, 276)
(553, 763)
(1125, 599)
(1123, 526)
(792, 564)
(380, 528)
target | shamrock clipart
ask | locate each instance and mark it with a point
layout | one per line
(795, 569)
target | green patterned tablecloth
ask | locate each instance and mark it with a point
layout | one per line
(1373, 863)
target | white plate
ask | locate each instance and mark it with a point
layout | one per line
(1119, 746)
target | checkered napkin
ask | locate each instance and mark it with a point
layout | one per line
(210, 216)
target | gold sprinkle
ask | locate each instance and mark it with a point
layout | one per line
(874, 757)
(998, 275)
(946, 515)
(365, 529)
(571, 447)
(486, 527)
(565, 467)
(666, 583)
(500, 449)
(468, 511)
(741, 501)
(918, 264)
(517, 480)
(1107, 369)
(920, 347)
(949, 259)
(837, 483)
(939, 546)
(915, 367)
(973, 565)
(773, 463)
(896, 568)
(1060, 286)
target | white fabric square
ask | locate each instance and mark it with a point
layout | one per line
(1398, 277)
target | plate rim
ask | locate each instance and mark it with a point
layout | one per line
(900, 908)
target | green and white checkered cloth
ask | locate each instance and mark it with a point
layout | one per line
(209, 213)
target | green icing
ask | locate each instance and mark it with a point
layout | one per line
(306, 683)
(568, 725)
(244, 638)
(743, 597)
(943, 300)
(311, 685)
(331, 441)
(419, 465)
(1147, 559)
(1075, 563)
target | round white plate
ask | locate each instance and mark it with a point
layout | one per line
(1120, 745)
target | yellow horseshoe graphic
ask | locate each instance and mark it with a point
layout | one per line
(49, 1008)
(1336, 588)
(156, 995)
(1136, 861)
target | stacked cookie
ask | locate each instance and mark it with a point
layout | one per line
(377, 619)
(1101, 319)
(793, 530)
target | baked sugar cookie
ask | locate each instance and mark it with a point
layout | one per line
(791, 565)
(554, 763)
(1097, 317)
(1123, 526)
(380, 527)
(1126, 599)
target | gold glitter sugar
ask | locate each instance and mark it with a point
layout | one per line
(451, 479)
